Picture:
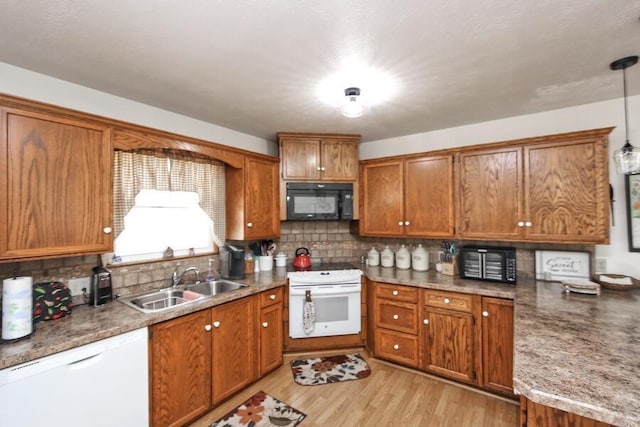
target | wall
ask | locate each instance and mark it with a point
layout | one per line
(27, 84)
(589, 116)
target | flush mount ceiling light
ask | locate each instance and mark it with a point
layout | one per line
(353, 104)
(627, 158)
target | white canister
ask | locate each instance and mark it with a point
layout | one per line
(420, 259)
(386, 257)
(281, 259)
(373, 257)
(403, 258)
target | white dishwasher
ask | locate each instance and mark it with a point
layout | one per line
(99, 384)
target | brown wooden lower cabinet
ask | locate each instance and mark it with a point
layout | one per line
(497, 345)
(180, 369)
(536, 415)
(233, 347)
(200, 359)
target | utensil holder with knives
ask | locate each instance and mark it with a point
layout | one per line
(450, 265)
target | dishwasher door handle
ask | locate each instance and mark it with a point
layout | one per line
(85, 362)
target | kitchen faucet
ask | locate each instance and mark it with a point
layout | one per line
(177, 278)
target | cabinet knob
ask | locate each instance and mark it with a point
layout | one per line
(425, 321)
(485, 314)
(322, 169)
(396, 317)
(527, 224)
(396, 347)
(407, 223)
(400, 223)
(249, 224)
(107, 230)
(395, 293)
(207, 328)
(265, 324)
(216, 324)
(318, 168)
(520, 223)
(447, 300)
(272, 296)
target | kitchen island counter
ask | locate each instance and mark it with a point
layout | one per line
(579, 353)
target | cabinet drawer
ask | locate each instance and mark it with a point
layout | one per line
(270, 297)
(397, 293)
(397, 346)
(449, 300)
(397, 316)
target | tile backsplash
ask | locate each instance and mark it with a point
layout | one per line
(331, 241)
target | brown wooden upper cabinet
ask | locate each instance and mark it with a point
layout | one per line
(549, 189)
(407, 197)
(55, 186)
(252, 199)
(318, 157)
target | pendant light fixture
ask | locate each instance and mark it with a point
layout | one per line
(627, 158)
(353, 105)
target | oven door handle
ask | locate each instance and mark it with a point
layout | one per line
(325, 290)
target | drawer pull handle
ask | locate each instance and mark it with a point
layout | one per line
(207, 328)
(216, 324)
(265, 324)
(395, 293)
(425, 321)
(396, 347)
(395, 317)
(447, 301)
(485, 314)
(272, 297)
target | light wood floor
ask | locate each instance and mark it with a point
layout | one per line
(390, 396)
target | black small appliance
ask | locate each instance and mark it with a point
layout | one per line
(494, 264)
(319, 201)
(101, 289)
(232, 262)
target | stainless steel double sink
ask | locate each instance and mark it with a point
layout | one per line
(165, 299)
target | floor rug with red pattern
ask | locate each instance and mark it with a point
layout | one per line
(330, 369)
(261, 410)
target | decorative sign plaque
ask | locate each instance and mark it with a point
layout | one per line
(561, 265)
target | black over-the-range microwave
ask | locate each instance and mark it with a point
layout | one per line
(495, 264)
(319, 201)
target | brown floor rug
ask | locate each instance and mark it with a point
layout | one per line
(261, 410)
(330, 369)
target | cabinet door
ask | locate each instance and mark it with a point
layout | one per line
(271, 338)
(490, 196)
(55, 186)
(252, 204)
(497, 345)
(428, 196)
(381, 212)
(233, 347)
(339, 160)
(180, 369)
(300, 159)
(397, 346)
(566, 191)
(449, 344)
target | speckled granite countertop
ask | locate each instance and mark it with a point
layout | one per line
(87, 324)
(579, 353)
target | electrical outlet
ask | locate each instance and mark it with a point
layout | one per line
(601, 265)
(76, 285)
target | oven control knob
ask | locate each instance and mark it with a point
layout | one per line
(216, 324)
(265, 324)
(395, 293)
(447, 300)
(485, 314)
(207, 328)
(396, 347)
(425, 321)
(395, 317)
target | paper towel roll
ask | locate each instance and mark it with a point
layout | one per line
(17, 307)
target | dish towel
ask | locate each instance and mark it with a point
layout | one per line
(308, 314)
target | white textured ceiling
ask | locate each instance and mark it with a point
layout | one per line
(254, 66)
